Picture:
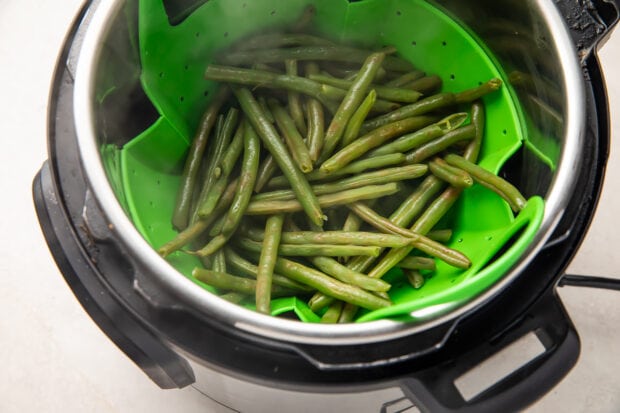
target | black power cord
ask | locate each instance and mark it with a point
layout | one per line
(590, 282)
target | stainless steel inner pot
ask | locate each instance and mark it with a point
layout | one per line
(530, 36)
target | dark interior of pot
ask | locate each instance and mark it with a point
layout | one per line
(151, 93)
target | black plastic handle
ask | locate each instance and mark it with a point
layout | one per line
(590, 22)
(434, 390)
(161, 364)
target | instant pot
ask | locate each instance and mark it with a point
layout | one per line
(180, 334)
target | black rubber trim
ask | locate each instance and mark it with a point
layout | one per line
(160, 363)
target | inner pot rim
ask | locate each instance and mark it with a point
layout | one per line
(200, 300)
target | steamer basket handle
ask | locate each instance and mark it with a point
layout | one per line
(434, 390)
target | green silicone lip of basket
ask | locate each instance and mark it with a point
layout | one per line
(173, 61)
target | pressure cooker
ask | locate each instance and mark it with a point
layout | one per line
(180, 334)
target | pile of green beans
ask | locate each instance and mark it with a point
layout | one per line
(317, 168)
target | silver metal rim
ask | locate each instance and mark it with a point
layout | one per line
(193, 296)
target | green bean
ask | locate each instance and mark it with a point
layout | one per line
(414, 204)
(213, 246)
(376, 162)
(377, 221)
(329, 96)
(416, 280)
(183, 238)
(419, 241)
(351, 169)
(440, 235)
(352, 223)
(347, 73)
(246, 268)
(337, 237)
(265, 171)
(489, 180)
(213, 196)
(352, 130)
(219, 262)
(207, 262)
(453, 176)
(316, 131)
(213, 186)
(329, 286)
(448, 255)
(421, 107)
(316, 53)
(233, 283)
(261, 78)
(425, 85)
(234, 298)
(241, 200)
(196, 229)
(319, 301)
(262, 101)
(216, 183)
(275, 40)
(213, 169)
(405, 79)
(312, 250)
(478, 120)
(427, 134)
(373, 139)
(316, 120)
(216, 228)
(267, 262)
(432, 103)
(354, 97)
(328, 265)
(333, 268)
(223, 138)
(348, 313)
(233, 151)
(440, 144)
(340, 272)
(294, 102)
(380, 106)
(379, 177)
(381, 74)
(181, 214)
(247, 179)
(292, 138)
(418, 263)
(383, 92)
(476, 93)
(404, 214)
(267, 68)
(332, 314)
(326, 201)
(428, 220)
(436, 211)
(272, 142)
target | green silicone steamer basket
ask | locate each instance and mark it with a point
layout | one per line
(145, 172)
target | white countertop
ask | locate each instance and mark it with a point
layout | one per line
(54, 358)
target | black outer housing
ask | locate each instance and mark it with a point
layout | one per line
(102, 277)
